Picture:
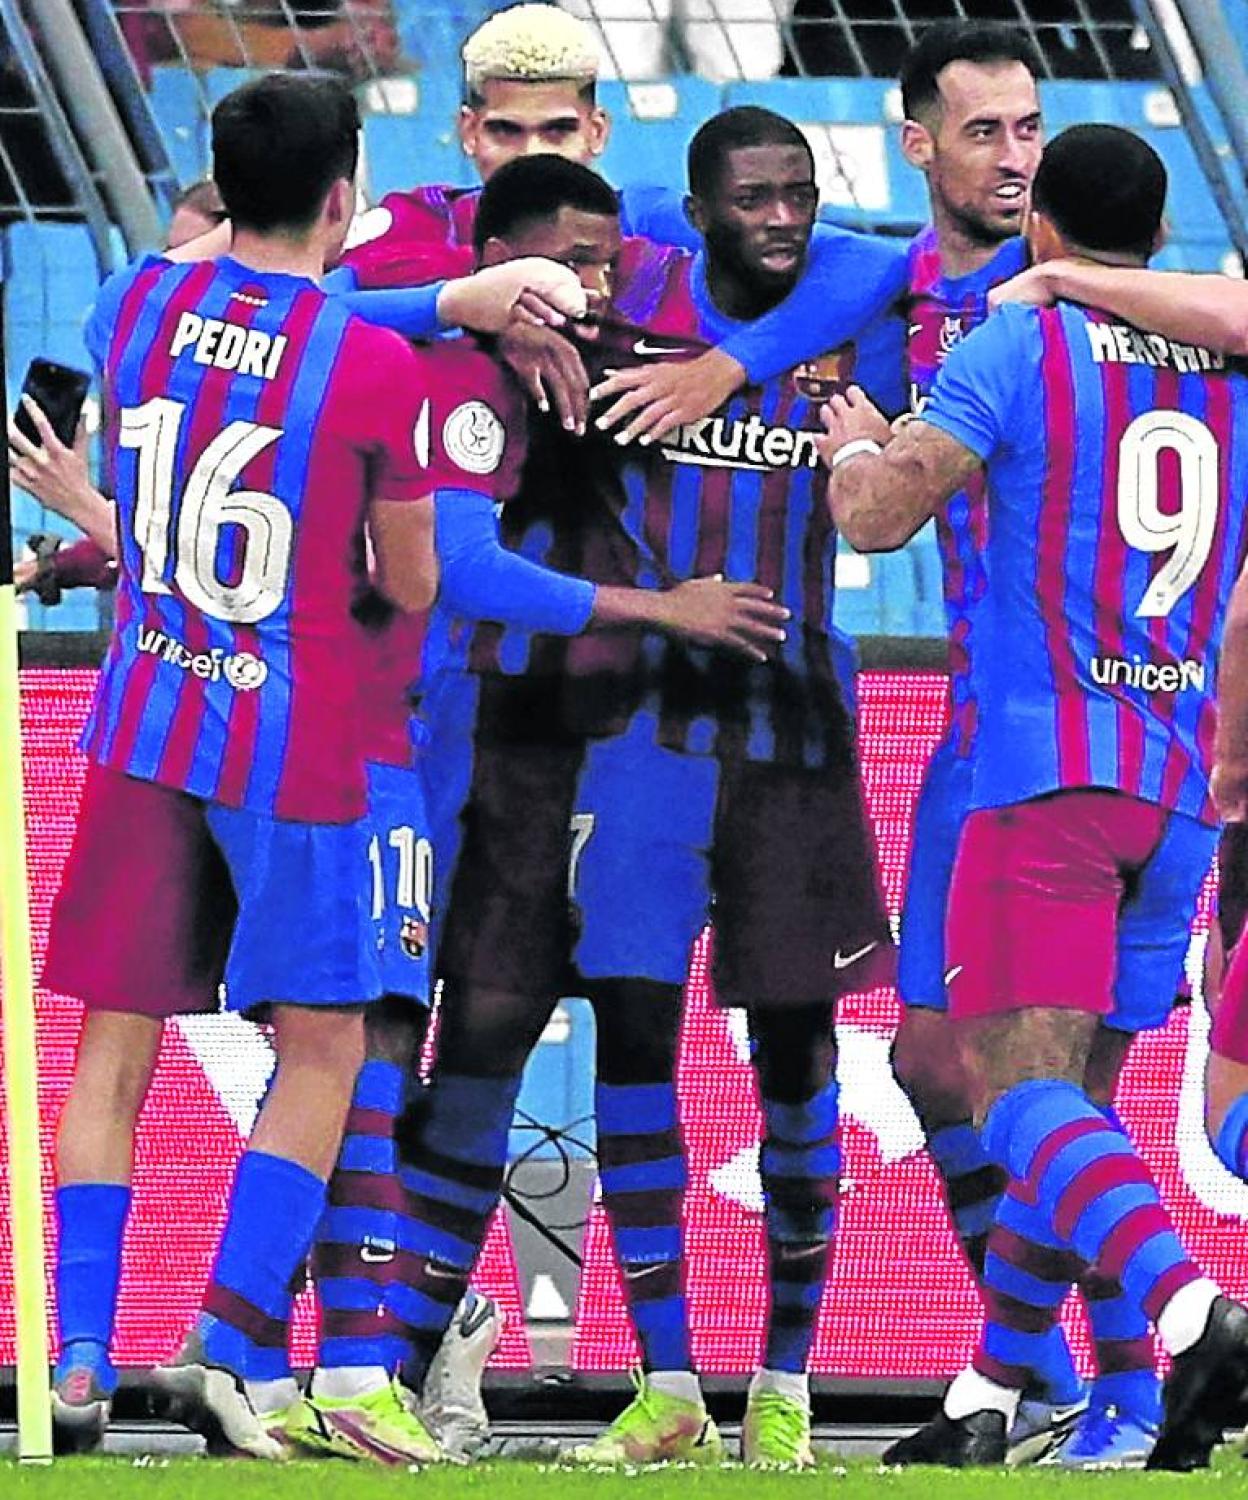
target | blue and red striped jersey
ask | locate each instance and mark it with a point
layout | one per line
(942, 310)
(1117, 469)
(739, 493)
(249, 422)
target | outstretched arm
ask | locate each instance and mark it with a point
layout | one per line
(484, 580)
(1209, 310)
(850, 279)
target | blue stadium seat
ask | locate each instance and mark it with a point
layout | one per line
(929, 601)
(651, 126)
(50, 283)
(1198, 233)
(218, 82)
(178, 106)
(402, 150)
(558, 1087)
(891, 593)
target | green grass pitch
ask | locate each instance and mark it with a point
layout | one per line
(192, 1479)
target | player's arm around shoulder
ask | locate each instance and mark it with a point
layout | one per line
(884, 484)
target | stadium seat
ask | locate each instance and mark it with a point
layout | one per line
(401, 150)
(558, 1087)
(652, 124)
(178, 106)
(51, 279)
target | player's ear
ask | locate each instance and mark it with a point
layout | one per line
(340, 202)
(468, 129)
(695, 212)
(599, 130)
(917, 145)
(494, 252)
(1044, 241)
(1161, 238)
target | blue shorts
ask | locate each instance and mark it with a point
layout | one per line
(447, 715)
(1155, 926)
(641, 841)
(400, 854)
(944, 801)
(303, 935)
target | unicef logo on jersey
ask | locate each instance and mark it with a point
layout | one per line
(474, 438)
(243, 671)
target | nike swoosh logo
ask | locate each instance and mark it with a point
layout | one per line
(914, 328)
(953, 973)
(635, 1273)
(375, 1257)
(439, 1273)
(845, 960)
(642, 347)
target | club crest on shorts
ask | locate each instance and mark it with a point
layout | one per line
(474, 437)
(413, 937)
(828, 375)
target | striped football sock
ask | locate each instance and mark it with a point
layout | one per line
(452, 1181)
(1093, 1190)
(353, 1260)
(800, 1168)
(641, 1161)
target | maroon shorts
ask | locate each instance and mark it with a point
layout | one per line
(1229, 1037)
(1038, 889)
(144, 916)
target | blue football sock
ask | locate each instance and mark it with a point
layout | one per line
(973, 1184)
(1231, 1144)
(353, 1261)
(275, 1207)
(92, 1223)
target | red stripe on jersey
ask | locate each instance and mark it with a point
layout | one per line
(714, 510)
(772, 531)
(1219, 418)
(656, 524)
(207, 420)
(244, 721)
(128, 313)
(153, 381)
(1110, 569)
(1166, 395)
(317, 576)
(1073, 756)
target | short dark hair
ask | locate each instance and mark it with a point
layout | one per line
(731, 129)
(956, 41)
(534, 188)
(1104, 189)
(279, 143)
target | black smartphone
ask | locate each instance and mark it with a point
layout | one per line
(59, 392)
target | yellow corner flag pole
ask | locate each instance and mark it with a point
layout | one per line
(34, 1412)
